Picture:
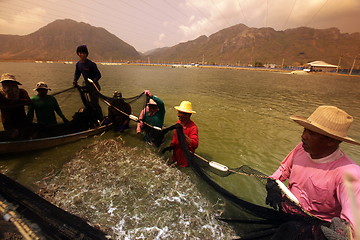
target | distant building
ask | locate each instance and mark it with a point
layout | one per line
(270, 65)
(321, 66)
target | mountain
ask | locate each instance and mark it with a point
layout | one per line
(242, 45)
(238, 44)
(59, 39)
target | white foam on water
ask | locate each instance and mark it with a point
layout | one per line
(133, 194)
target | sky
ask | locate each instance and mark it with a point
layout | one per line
(149, 24)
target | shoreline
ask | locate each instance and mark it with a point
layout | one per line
(290, 71)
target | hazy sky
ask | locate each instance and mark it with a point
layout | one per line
(149, 24)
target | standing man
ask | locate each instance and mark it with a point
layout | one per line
(315, 170)
(88, 70)
(190, 131)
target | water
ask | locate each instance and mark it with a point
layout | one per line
(243, 118)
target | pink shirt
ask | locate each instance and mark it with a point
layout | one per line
(318, 183)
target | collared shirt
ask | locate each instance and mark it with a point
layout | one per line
(318, 184)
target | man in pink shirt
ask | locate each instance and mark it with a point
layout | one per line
(316, 167)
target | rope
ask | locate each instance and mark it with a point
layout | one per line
(23, 228)
(132, 117)
(282, 187)
(15, 104)
(62, 91)
(224, 168)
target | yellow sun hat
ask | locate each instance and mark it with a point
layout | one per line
(185, 106)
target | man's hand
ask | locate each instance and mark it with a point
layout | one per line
(147, 92)
(274, 196)
(338, 230)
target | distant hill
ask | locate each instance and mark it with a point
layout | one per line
(238, 44)
(59, 39)
(242, 45)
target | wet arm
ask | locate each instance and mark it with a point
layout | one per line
(140, 124)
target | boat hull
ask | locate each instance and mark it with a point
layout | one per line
(48, 142)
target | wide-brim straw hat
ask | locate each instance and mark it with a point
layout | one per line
(41, 85)
(9, 77)
(185, 106)
(329, 121)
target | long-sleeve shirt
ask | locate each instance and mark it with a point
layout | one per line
(318, 184)
(190, 130)
(156, 119)
(45, 108)
(89, 70)
(13, 114)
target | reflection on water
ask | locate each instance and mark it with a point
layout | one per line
(133, 194)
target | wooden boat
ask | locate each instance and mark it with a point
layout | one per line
(58, 135)
(85, 123)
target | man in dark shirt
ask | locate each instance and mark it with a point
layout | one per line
(88, 70)
(119, 111)
(12, 102)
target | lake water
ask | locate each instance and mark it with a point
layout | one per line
(243, 118)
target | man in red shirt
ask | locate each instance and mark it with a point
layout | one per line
(190, 131)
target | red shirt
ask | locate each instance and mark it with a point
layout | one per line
(190, 130)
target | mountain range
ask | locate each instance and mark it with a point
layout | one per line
(59, 39)
(238, 44)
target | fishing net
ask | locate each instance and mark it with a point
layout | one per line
(261, 221)
(85, 109)
(45, 219)
(130, 193)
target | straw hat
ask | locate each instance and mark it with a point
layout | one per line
(9, 77)
(329, 121)
(185, 106)
(41, 85)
